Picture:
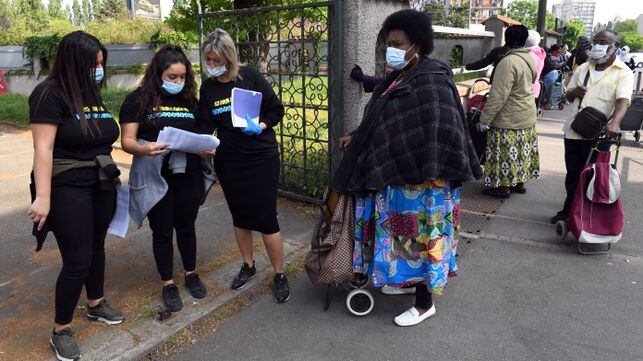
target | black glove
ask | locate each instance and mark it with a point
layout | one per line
(357, 74)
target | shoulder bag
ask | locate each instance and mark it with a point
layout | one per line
(589, 122)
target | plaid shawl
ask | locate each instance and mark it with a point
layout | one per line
(413, 133)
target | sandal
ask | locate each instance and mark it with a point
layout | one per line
(496, 193)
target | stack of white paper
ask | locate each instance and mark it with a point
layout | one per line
(120, 221)
(185, 141)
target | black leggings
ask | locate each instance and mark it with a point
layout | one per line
(423, 297)
(176, 211)
(79, 218)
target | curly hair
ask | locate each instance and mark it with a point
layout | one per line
(151, 88)
(516, 36)
(415, 24)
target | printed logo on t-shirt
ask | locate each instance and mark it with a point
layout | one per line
(222, 106)
(171, 112)
(95, 112)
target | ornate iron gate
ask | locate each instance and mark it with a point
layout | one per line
(298, 49)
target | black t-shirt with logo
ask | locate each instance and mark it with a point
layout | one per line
(173, 111)
(48, 104)
(215, 111)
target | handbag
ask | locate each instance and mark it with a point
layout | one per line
(330, 259)
(589, 122)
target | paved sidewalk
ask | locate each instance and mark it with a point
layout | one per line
(521, 294)
(27, 279)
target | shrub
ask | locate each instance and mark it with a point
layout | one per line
(42, 48)
(166, 36)
(124, 31)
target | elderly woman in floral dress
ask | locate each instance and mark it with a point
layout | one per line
(404, 164)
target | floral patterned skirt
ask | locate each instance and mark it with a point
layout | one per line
(409, 234)
(512, 157)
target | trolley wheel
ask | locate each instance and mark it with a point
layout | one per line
(637, 136)
(547, 106)
(561, 106)
(360, 302)
(561, 230)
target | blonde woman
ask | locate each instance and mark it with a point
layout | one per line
(247, 162)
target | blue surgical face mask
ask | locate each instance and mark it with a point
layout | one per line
(100, 74)
(172, 88)
(395, 58)
(216, 71)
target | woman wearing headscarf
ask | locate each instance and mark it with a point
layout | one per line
(510, 118)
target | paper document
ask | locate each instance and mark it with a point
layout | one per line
(245, 102)
(187, 142)
(120, 223)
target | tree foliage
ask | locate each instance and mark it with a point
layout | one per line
(112, 9)
(575, 29)
(457, 17)
(525, 11)
(628, 31)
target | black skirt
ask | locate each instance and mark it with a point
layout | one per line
(249, 185)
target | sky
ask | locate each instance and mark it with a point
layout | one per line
(607, 10)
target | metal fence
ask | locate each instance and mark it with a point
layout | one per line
(298, 49)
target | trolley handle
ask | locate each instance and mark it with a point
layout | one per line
(603, 141)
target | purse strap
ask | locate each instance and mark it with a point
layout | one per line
(585, 85)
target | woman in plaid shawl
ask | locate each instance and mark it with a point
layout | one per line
(405, 164)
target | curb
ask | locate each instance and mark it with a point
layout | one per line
(143, 336)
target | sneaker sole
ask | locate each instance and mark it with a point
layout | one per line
(284, 301)
(104, 320)
(60, 358)
(244, 285)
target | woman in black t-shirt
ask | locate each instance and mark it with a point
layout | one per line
(72, 130)
(167, 97)
(247, 161)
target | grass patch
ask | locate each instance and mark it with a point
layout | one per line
(468, 76)
(14, 108)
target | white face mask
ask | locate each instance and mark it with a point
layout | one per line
(216, 71)
(600, 54)
(598, 51)
(395, 58)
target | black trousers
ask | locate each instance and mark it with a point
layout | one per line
(79, 217)
(176, 211)
(423, 297)
(576, 154)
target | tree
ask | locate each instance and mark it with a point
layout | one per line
(77, 13)
(459, 17)
(525, 11)
(87, 12)
(575, 29)
(95, 8)
(632, 39)
(55, 9)
(68, 14)
(115, 9)
(626, 26)
(438, 14)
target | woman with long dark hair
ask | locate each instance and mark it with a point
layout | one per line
(73, 179)
(166, 97)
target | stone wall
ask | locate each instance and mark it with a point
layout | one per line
(362, 21)
(24, 84)
(473, 48)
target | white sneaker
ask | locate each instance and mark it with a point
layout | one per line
(392, 290)
(412, 316)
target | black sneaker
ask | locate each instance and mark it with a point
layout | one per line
(196, 287)
(560, 216)
(281, 290)
(171, 298)
(65, 345)
(103, 312)
(245, 274)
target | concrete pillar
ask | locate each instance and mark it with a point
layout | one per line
(362, 21)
